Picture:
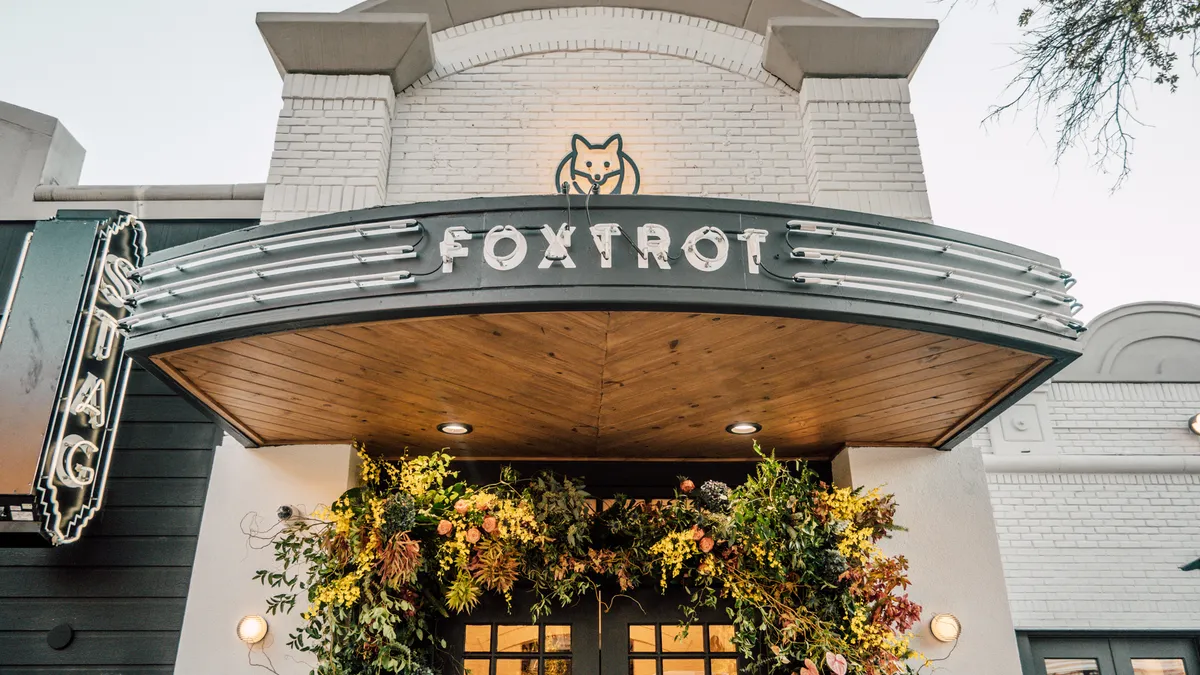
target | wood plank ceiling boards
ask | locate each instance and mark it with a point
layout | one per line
(601, 385)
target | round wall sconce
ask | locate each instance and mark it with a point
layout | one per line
(945, 627)
(1194, 424)
(252, 629)
(744, 428)
(455, 428)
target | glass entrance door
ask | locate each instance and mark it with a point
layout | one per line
(641, 636)
(1114, 656)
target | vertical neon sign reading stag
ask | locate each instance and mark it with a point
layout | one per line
(602, 169)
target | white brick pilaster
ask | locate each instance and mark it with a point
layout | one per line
(861, 147)
(332, 146)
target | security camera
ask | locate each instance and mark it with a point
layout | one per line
(287, 512)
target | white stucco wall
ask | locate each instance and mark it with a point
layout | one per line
(951, 547)
(245, 489)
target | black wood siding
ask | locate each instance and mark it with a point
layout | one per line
(123, 586)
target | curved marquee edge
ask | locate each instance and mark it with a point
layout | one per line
(479, 205)
(475, 288)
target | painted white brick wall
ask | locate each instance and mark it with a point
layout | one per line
(1124, 418)
(1103, 550)
(1099, 550)
(503, 128)
(697, 112)
(332, 146)
(861, 147)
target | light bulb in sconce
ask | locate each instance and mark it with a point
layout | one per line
(945, 627)
(252, 629)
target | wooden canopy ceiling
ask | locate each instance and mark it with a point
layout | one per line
(601, 385)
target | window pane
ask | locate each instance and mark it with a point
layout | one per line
(476, 666)
(674, 640)
(1158, 667)
(516, 667)
(641, 639)
(1072, 667)
(720, 638)
(683, 666)
(642, 667)
(479, 639)
(724, 667)
(517, 639)
(558, 667)
(558, 639)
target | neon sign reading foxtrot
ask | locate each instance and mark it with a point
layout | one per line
(74, 463)
(705, 248)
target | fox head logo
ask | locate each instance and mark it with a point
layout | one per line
(598, 169)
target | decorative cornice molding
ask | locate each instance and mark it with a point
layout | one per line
(499, 38)
(1150, 464)
(749, 14)
(800, 47)
(396, 45)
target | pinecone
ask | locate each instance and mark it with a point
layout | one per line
(714, 496)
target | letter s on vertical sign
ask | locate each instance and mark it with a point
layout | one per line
(115, 285)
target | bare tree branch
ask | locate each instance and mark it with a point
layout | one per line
(1081, 60)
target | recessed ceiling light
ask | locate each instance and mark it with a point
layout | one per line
(1194, 424)
(455, 428)
(744, 428)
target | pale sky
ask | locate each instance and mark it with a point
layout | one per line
(165, 91)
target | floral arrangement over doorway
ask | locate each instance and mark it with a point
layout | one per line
(795, 563)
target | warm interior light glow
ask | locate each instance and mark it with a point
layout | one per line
(744, 428)
(252, 629)
(455, 428)
(1194, 424)
(945, 627)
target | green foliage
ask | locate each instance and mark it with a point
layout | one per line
(792, 561)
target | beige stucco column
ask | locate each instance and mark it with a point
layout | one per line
(246, 488)
(951, 547)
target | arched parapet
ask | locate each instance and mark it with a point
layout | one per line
(1141, 342)
(622, 29)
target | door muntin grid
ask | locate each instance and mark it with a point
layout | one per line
(668, 649)
(517, 649)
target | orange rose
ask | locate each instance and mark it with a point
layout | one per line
(462, 506)
(706, 544)
(687, 486)
(444, 527)
(697, 533)
(473, 535)
(490, 524)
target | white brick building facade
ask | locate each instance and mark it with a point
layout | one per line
(1096, 516)
(697, 112)
(1068, 514)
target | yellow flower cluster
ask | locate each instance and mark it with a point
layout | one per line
(344, 591)
(417, 475)
(765, 556)
(515, 519)
(873, 636)
(674, 550)
(854, 543)
(339, 516)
